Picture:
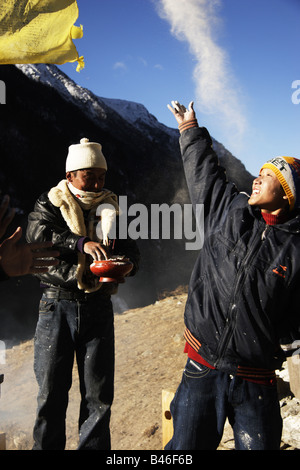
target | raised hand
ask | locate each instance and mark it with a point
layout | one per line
(181, 113)
(18, 259)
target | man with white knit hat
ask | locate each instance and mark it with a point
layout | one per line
(242, 310)
(85, 172)
(76, 313)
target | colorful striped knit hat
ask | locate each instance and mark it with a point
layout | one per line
(287, 170)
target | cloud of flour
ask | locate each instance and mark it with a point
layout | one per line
(197, 22)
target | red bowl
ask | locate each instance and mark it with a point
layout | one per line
(111, 270)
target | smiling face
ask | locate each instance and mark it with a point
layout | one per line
(268, 194)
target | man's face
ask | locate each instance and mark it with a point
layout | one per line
(88, 179)
(267, 193)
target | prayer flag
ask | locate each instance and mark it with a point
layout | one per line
(39, 31)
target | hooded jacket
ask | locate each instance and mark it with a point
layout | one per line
(58, 217)
(244, 292)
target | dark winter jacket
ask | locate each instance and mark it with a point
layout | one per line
(244, 293)
(46, 222)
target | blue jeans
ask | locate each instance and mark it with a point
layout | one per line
(206, 397)
(66, 328)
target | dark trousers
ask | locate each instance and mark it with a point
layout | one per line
(85, 329)
(206, 397)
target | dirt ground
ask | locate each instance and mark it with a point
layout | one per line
(149, 359)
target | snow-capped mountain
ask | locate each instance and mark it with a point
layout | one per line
(134, 113)
(96, 107)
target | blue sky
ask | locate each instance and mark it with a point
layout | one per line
(237, 59)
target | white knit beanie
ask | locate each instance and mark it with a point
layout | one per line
(85, 155)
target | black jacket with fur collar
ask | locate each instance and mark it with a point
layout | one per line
(61, 220)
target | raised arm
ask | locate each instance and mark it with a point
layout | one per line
(206, 179)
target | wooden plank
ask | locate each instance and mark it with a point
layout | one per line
(294, 373)
(167, 421)
(2, 441)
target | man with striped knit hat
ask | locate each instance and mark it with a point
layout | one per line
(243, 302)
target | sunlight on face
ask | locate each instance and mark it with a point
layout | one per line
(88, 179)
(267, 193)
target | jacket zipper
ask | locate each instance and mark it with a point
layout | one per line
(263, 235)
(232, 311)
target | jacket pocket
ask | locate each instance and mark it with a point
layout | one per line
(46, 306)
(195, 370)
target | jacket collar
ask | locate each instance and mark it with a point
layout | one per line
(292, 225)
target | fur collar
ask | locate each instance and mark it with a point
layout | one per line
(60, 196)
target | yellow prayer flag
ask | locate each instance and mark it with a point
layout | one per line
(39, 31)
